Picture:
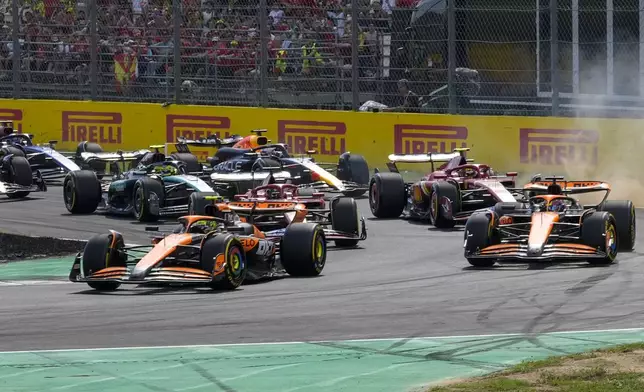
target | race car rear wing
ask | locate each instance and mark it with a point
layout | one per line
(542, 186)
(430, 158)
(118, 156)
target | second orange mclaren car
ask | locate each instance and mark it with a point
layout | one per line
(552, 226)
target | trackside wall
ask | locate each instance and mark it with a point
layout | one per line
(608, 148)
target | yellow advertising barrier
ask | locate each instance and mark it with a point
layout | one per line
(528, 145)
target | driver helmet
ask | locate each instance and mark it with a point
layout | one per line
(166, 170)
(273, 194)
(557, 205)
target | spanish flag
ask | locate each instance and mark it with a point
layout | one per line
(126, 69)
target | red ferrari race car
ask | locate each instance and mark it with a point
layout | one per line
(446, 196)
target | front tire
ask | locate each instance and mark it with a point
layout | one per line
(599, 230)
(345, 218)
(303, 249)
(147, 199)
(479, 234)
(198, 201)
(82, 192)
(437, 215)
(624, 213)
(19, 172)
(103, 251)
(387, 195)
(224, 251)
(191, 161)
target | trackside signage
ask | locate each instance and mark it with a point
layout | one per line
(327, 138)
(13, 115)
(558, 146)
(423, 139)
(96, 127)
(195, 127)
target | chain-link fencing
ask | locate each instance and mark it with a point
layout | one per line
(434, 56)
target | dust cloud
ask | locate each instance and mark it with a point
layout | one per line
(620, 166)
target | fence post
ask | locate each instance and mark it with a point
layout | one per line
(176, 46)
(355, 61)
(93, 49)
(554, 56)
(263, 57)
(15, 22)
(451, 54)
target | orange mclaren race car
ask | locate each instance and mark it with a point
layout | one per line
(216, 251)
(550, 225)
(275, 207)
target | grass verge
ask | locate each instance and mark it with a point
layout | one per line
(619, 368)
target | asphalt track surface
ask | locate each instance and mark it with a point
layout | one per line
(407, 280)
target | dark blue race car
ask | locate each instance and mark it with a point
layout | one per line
(235, 169)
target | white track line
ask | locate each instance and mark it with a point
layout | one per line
(322, 341)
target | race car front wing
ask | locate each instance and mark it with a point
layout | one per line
(514, 252)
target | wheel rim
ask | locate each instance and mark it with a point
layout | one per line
(373, 199)
(611, 241)
(433, 207)
(319, 251)
(237, 262)
(138, 202)
(68, 194)
(633, 227)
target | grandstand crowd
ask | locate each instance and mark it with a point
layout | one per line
(307, 38)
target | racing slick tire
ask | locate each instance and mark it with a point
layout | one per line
(198, 201)
(624, 213)
(599, 230)
(437, 216)
(82, 192)
(235, 268)
(18, 171)
(103, 251)
(97, 166)
(148, 197)
(12, 150)
(387, 195)
(353, 168)
(345, 218)
(303, 249)
(191, 161)
(478, 235)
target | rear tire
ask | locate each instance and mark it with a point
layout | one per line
(437, 216)
(12, 150)
(478, 235)
(353, 168)
(191, 161)
(148, 197)
(82, 192)
(19, 172)
(387, 195)
(97, 166)
(303, 249)
(103, 251)
(345, 218)
(599, 230)
(624, 213)
(224, 248)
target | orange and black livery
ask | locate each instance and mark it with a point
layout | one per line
(203, 250)
(550, 225)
